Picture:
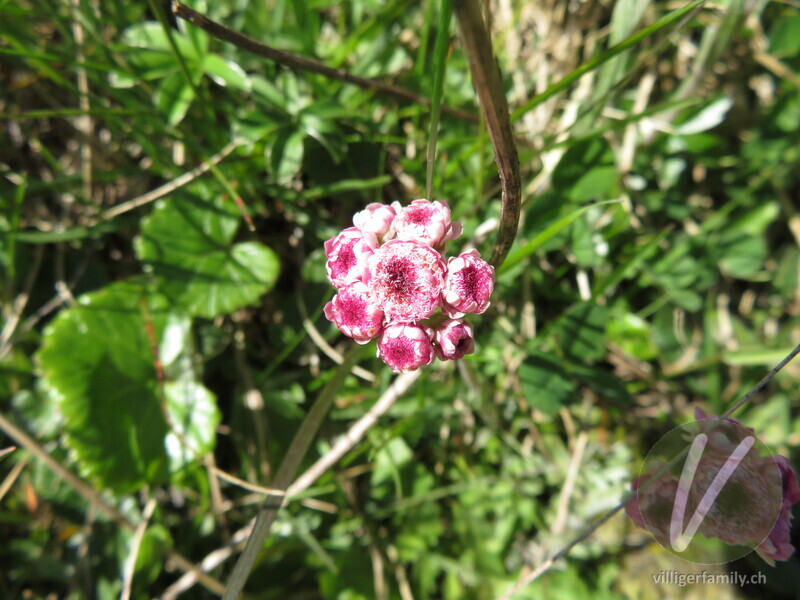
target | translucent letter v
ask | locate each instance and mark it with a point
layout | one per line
(680, 540)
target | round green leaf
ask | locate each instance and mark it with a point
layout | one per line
(97, 361)
(186, 244)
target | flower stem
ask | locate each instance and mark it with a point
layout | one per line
(486, 80)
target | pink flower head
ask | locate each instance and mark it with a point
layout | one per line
(347, 256)
(778, 545)
(454, 339)
(406, 279)
(468, 284)
(406, 347)
(377, 219)
(426, 222)
(355, 313)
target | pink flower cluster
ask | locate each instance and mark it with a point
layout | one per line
(391, 278)
(758, 488)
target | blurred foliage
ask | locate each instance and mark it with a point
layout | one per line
(657, 268)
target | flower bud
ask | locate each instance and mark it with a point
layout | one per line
(355, 313)
(406, 279)
(454, 339)
(347, 256)
(426, 222)
(406, 347)
(377, 219)
(468, 284)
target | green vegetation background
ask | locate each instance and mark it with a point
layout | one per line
(145, 345)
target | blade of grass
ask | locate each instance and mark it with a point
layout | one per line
(545, 236)
(283, 478)
(439, 66)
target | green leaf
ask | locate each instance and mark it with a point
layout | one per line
(174, 97)
(758, 356)
(784, 38)
(545, 384)
(632, 334)
(151, 35)
(741, 255)
(581, 332)
(194, 417)
(226, 72)
(155, 544)
(187, 244)
(97, 362)
(286, 155)
(586, 171)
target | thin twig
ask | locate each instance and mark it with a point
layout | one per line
(133, 553)
(323, 345)
(84, 121)
(93, 497)
(489, 87)
(20, 302)
(170, 186)
(354, 435)
(296, 61)
(8, 482)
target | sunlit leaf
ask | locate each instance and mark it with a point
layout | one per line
(97, 362)
(187, 244)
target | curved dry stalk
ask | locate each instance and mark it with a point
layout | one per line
(486, 80)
